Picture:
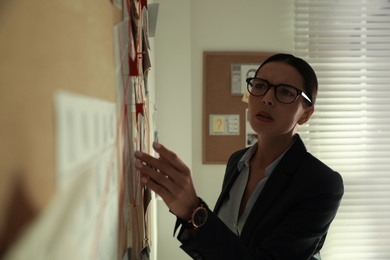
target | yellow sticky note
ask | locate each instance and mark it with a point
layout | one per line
(218, 124)
(245, 97)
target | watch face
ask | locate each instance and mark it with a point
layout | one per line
(199, 217)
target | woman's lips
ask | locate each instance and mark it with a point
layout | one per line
(264, 116)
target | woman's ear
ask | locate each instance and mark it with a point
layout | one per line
(306, 115)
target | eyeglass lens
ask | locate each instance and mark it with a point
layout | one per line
(283, 93)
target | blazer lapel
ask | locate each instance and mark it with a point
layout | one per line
(231, 175)
(279, 178)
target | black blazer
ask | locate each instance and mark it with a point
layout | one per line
(289, 220)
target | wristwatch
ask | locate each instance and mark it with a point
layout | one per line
(199, 216)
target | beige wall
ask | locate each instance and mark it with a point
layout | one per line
(185, 29)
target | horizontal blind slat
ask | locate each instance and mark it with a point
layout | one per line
(348, 44)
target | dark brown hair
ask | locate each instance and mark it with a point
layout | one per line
(306, 71)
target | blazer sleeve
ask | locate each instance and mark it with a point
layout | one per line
(295, 226)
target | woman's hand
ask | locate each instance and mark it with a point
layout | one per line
(170, 178)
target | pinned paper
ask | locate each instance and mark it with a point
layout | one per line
(245, 97)
(239, 73)
(224, 124)
(218, 124)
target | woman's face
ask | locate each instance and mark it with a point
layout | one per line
(267, 115)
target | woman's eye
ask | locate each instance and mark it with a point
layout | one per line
(286, 91)
(260, 85)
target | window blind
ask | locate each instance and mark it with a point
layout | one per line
(348, 44)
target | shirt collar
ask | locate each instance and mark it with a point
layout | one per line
(244, 161)
(247, 155)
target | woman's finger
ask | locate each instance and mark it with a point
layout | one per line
(177, 190)
(160, 165)
(157, 188)
(159, 181)
(171, 157)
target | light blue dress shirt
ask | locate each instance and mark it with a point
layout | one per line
(229, 210)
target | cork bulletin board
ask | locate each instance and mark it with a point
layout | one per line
(73, 108)
(223, 106)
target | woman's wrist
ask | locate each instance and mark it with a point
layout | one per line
(195, 217)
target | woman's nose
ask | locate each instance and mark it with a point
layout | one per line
(269, 97)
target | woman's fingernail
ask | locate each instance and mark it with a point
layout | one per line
(138, 153)
(138, 164)
(144, 180)
(156, 145)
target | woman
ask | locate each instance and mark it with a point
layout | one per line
(277, 200)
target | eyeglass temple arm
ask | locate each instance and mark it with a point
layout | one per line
(305, 96)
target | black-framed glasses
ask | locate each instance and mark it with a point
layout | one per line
(283, 93)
